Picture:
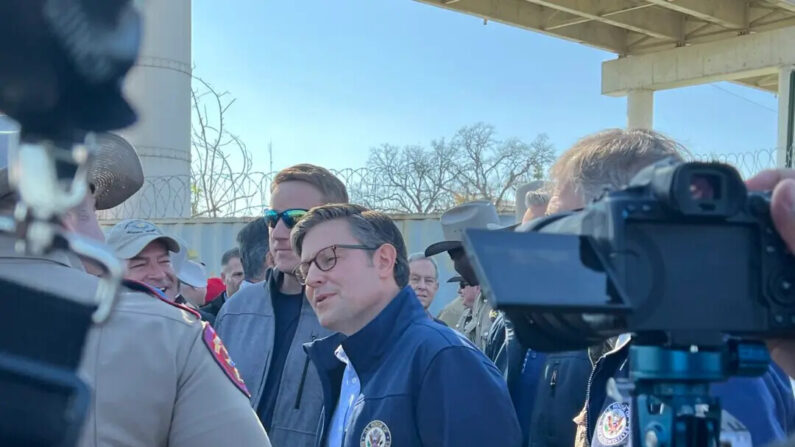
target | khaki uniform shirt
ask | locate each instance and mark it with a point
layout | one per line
(154, 380)
(476, 322)
(451, 314)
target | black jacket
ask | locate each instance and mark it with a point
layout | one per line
(548, 390)
(210, 311)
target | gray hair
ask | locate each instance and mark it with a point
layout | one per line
(370, 228)
(536, 198)
(609, 159)
(420, 256)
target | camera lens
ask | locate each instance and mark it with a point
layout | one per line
(705, 186)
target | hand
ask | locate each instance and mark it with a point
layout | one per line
(782, 210)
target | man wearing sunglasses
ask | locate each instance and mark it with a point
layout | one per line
(265, 325)
(453, 312)
(390, 374)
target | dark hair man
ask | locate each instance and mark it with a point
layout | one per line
(232, 276)
(252, 240)
(390, 375)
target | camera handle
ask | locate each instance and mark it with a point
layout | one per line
(671, 404)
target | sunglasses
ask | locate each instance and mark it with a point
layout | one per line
(462, 285)
(289, 217)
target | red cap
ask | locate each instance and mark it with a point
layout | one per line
(215, 287)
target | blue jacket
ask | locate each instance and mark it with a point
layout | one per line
(548, 390)
(764, 405)
(422, 384)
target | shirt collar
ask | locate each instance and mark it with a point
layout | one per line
(67, 259)
(365, 348)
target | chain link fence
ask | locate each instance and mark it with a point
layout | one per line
(241, 195)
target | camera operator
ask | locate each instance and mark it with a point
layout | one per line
(782, 209)
(608, 160)
(152, 381)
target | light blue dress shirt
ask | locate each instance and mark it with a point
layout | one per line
(349, 391)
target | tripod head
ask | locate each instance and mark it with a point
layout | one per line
(671, 402)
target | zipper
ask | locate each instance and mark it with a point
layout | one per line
(303, 380)
(588, 401)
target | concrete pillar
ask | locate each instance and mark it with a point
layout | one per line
(159, 89)
(640, 109)
(786, 118)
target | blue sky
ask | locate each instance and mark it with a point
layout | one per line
(327, 80)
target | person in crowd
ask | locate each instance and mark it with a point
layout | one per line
(536, 202)
(232, 276)
(146, 252)
(476, 321)
(157, 376)
(266, 324)
(215, 288)
(252, 240)
(390, 375)
(423, 278)
(607, 161)
(192, 278)
(452, 312)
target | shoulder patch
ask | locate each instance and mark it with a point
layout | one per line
(221, 356)
(613, 428)
(149, 290)
(376, 434)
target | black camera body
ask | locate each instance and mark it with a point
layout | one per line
(683, 256)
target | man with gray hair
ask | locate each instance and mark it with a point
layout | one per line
(608, 161)
(423, 278)
(536, 203)
(390, 375)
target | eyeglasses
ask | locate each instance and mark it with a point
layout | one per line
(324, 260)
(462, 285)
(289, 217)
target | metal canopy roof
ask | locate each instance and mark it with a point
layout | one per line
(631, 27)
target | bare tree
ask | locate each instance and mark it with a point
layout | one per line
(487, 168)
(473, 165)
(411, 179)
(217, 188)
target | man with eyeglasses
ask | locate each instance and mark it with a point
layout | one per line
(390, 375)
(265, 325)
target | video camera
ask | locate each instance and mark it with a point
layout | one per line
(683, 256)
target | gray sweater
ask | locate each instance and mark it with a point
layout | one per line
(246, 325)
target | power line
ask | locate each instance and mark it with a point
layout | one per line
(745, 99)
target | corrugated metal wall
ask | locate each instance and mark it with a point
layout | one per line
(208, 239)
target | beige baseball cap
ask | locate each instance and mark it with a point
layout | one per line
(130, 236)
